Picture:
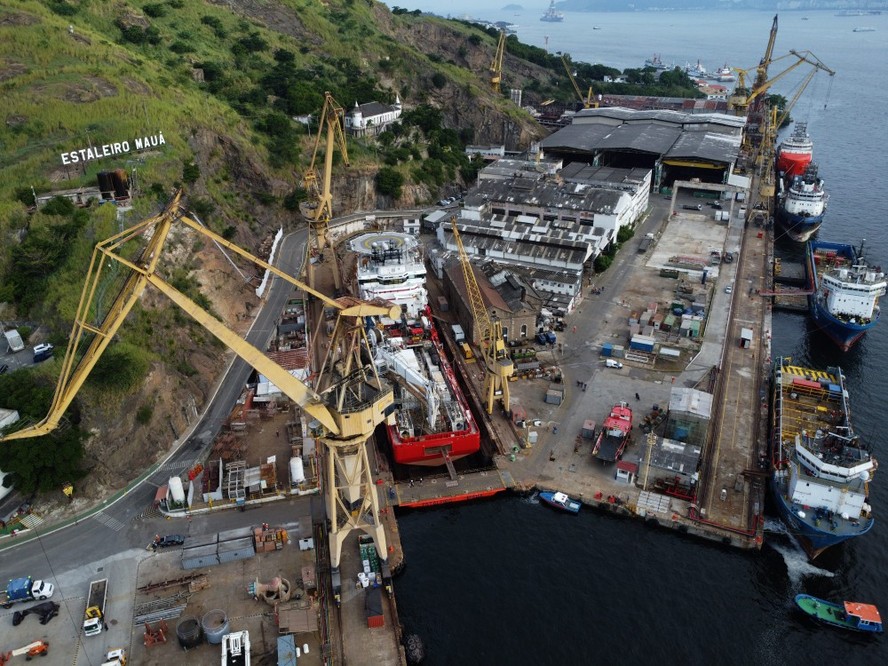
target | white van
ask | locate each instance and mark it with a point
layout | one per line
(4, 488)
(611, 363)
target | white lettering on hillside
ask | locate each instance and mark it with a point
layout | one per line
(112, 149)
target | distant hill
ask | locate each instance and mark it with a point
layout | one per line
(665, 5)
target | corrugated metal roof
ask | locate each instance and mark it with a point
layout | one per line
(690, 401)
(707, 136)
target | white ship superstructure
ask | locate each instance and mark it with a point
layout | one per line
(391, 268)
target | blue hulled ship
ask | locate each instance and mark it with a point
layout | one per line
(820, 468)
(844, 302)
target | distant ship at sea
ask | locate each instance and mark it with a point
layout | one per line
(552, 15)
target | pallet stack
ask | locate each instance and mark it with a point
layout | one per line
(268, 539)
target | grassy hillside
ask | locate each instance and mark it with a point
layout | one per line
(224, 84)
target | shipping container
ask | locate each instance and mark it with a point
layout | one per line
(203, 556)
(642, 343)
(231, 551)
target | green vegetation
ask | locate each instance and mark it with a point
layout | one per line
(236, 96)
(42, 463)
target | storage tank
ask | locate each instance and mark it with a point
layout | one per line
(106, 186)
(297, 471)
(121, 183)
(189, 633)
(176, 490)
(215, 626)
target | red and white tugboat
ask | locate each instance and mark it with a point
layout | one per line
(615, 434)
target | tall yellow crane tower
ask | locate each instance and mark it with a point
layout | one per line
(499, 366)
(496, 67)
(348, 400)
(330, 125)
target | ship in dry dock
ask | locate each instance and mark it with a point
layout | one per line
(820, 467)
(432, 422)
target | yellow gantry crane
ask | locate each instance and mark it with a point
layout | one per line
(588, 102)
(496, 67)
(348, 400)
(743, 97)
(498, 365)
(330, 125)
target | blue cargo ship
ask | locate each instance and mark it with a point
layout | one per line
(844, 302)
(820, 468)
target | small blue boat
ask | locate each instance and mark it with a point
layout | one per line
(560, 501)
(851, 615)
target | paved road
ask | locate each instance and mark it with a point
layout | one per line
(107, 527)
(110, 542)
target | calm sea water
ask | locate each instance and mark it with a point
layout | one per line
(508, 582)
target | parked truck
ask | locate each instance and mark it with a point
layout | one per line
(25, 589)
(115, 658)
(94, 617)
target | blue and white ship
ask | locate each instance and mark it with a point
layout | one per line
(802, 206)
(820, 468)
(844, 302)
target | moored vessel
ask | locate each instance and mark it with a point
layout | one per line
(820, 468)
(615, 434)
(560, 501)
(802, 205)
(432, 423)
(845, 291)
(724, 74)
(851, 615)
(696, 71)
(795, 152)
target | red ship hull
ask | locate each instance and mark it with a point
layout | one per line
(431, 448)
(792, 164)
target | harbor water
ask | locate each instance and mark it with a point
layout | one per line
(509, 581)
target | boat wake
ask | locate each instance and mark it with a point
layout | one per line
(798, 566)
(533, 498)
(775, 526)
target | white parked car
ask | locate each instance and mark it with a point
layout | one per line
(611, 363)
(5, 484)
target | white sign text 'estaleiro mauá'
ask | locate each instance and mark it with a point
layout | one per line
(111, 149)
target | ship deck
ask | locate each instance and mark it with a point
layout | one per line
(804, 408)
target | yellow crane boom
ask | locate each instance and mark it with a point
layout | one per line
(496, 67)
(330, 125)
(586, 101)
(349, 404)
(498, 365)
